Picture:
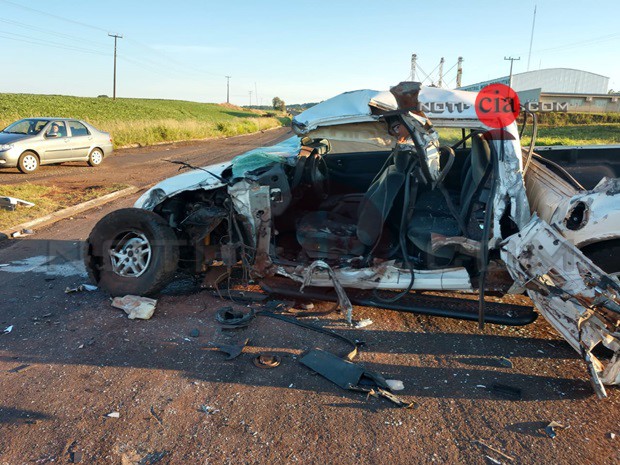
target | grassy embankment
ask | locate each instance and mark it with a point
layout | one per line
(563, 129)
(143, 121)
(130, 122)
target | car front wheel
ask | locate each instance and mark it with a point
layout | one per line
(28, 162)
(95, 158)
(132, 251)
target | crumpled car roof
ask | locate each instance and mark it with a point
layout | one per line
(356, 107)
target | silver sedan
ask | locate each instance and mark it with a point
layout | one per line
(31, 142)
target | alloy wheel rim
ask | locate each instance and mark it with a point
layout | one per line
(96, 157)
(131, 255)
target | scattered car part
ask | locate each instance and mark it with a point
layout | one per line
(11, 203)
(363, 323)
(135, 306)
(232, 350)
(266, 361)
(550, 429)
(229, 317)
(8, 329)
(81, 288)
(131, 251)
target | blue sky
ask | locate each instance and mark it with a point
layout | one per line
(300, 51)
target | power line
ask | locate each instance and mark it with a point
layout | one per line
(23, 7)
(45, 43)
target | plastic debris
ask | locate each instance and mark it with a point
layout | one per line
(232, 350)
(81, 288)
(363, 323)
(550, 429)
(395, 384)
(136, 306)
(113, 415)
(612, 435)
(8, 329)
(505, 362)
(11, 203)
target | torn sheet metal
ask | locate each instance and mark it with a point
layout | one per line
(573, 294)
(384, 276)
(343, 299)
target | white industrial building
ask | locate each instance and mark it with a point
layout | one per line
(581, 90)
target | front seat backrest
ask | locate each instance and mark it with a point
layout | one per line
(480, 162)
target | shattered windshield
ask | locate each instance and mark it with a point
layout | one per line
(284, 152)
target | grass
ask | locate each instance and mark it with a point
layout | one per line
(47, 199)
(143, 121)
(576, 134)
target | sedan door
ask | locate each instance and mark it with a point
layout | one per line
(80, 140)
(55, 145)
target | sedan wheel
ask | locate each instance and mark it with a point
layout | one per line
(28, 162)
(95, 158)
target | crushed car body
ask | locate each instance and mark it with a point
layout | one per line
(353, 206)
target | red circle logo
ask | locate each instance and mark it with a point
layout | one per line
(497, 105)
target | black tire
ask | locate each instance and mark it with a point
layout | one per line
(130, 233)
(28, 162)
(606, 255)
(95, 157)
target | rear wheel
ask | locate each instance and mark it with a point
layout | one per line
(132, 251)
(28, 162)
(95, 158)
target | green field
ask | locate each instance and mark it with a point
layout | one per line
(573, 134)
(143, 121)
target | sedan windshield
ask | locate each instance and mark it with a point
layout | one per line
(26, 126)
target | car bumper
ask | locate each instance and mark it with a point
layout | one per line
(9, 158)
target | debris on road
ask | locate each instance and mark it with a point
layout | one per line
(135, 306)
(395, 384)
(194, 333)
(19, 368)
(266, 361)
(8, 329)
(363, 323)
(348, 375)
(242, 296)
(505, 362)
(550, 429)
(208, 409)
(232, 350)
(11, 203)
(113, 415)
(612, 435)
(233, 318)
(497, 451)
(22, 233)
(156, 416)
(81, 288)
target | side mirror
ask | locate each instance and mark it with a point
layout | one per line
(48, 135)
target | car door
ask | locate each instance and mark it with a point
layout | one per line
(80, 140)
(55, 146)
(579, 299)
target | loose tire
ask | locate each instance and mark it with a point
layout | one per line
(131, 251)
(28, 162)
(95, 157)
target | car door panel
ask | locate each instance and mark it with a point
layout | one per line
(576, 297)
(80, 140)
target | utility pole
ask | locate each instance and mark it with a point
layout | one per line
(529, 55)
(116, 36)
(414, 59)
(459, 72)
(512, 60)
(441, 72)
(227, 88)
(255, 93)
(250, 98)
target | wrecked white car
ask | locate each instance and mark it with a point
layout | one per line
(337, 214)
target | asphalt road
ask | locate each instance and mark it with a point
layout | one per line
(72, 359)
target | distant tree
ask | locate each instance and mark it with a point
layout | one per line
(278, 104)
(102, 96)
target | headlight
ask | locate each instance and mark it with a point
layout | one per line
(5, 147)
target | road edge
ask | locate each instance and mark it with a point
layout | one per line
(67, 212)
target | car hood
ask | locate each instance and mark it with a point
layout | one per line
(6, 138)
